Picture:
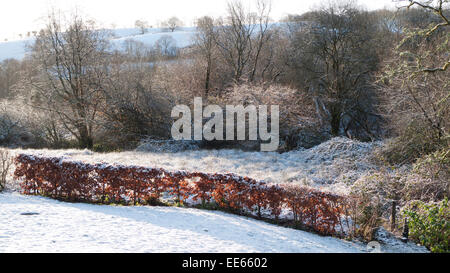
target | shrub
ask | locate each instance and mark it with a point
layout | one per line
(318, 210)
(429, 224)
(372, 196)
(414, 141)
(298, 123)
(430, 178)
(12, 128)
(103, 183)
(22, 125)
(376, 196)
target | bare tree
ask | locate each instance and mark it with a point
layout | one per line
(263, 36)
(142, 26)
(235, 39)
(166, 46)
(9, 75)
(416, 80)
(241, 39)
(71, 64)
(335, 50)
(136, 50)
(439, 8)
(204, 39)
(173, 23)
(135, 107)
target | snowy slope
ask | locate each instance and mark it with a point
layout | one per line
(14, 49)
(129, 32)
(182, 36)
(65, 227)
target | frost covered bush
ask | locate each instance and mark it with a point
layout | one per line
(373, 195)
(427, 180)
(386, 185)
(166, 146)
(414, 141)
(12, 131)
(430, 178)
(299, 125)
(429, 224)
(137, 112)
(22, 125)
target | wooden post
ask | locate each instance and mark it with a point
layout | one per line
(405, 231)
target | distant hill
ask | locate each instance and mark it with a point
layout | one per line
(183, 36)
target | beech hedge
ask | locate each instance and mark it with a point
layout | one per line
(131, 185)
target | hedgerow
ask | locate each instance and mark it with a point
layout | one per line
(132, 185)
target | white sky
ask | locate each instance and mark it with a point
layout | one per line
(20, 16)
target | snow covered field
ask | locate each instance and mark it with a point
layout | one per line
(65, 227)
(183, 37)
(14, 49)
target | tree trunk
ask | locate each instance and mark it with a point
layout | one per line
(85, 140)
(335, 122)
(208, 76)
(393, 215)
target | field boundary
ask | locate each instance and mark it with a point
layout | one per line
(102, 183)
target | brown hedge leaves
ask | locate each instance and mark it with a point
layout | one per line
(106, 184)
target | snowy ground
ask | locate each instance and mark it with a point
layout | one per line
(183, 36)
(65, 227)
(17, 49)
(331, 166)
(14, 49)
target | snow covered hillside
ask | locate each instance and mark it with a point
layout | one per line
(36, 224)
(14, 49)
(183, 38)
